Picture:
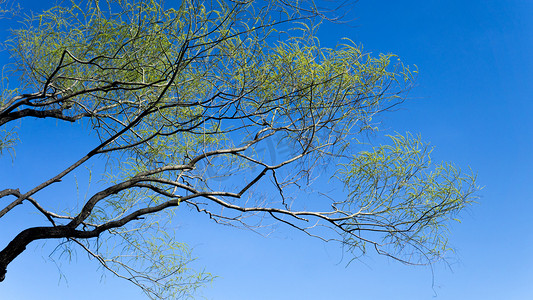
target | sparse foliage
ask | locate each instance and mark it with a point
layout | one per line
(183, 100)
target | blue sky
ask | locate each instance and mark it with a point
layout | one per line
(473, 101)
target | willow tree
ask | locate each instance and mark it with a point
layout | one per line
(184, 99)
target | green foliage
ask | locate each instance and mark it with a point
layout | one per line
(7, 142)
(8, 135)
(183, 97)
(151, 258)
(397, 192)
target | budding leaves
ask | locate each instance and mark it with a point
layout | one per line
(398, 194)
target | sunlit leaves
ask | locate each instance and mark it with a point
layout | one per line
(184, 97)
(399, 196)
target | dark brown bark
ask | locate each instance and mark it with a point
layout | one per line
(24, 238)
(52, 113)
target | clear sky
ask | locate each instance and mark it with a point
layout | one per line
(473, 101)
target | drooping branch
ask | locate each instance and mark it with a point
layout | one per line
(94, 151)
(180, 98)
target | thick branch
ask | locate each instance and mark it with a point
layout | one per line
(23, 239)
(52, 113)
(96, 150)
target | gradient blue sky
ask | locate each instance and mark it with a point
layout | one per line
(473, 101)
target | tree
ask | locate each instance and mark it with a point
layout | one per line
(8, 8)
(183, 99)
